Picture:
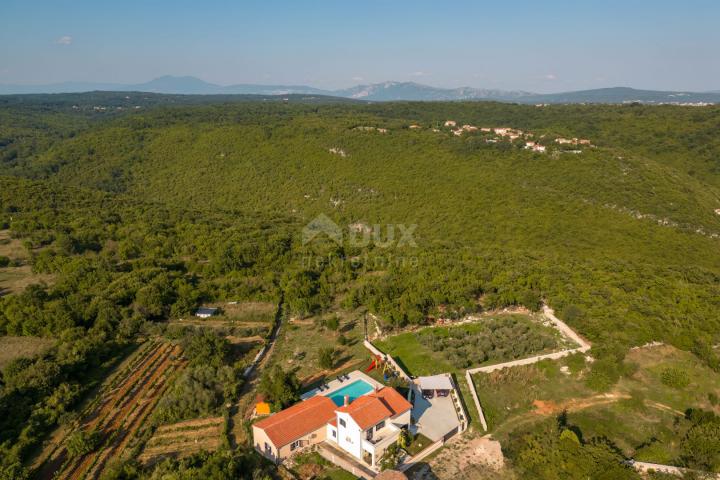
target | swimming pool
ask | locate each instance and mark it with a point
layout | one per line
(356, 389)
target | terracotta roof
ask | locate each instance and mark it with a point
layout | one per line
(374, 407)
(297, 421)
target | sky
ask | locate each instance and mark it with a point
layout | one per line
(538, 46)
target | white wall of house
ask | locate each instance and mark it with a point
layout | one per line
(402, 419)
(349, 435)
(331, 434)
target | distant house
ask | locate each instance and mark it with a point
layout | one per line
(486, 129)
(206, 312)
(414, 127)
(450, 123)
(538, 148)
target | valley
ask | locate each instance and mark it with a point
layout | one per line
(118, 225)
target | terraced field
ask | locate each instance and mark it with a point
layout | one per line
(118, 412)
(182, 439)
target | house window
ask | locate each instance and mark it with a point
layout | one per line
(268, 448)
(295, 445)
(379, 425)
(342, 422)
(334, 433)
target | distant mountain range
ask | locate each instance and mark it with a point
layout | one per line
(386, 91)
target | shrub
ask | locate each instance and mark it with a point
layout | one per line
(332, 323)
(326, 357)
(4, 261)
(82, 442)
(674, 377)
(575, 362)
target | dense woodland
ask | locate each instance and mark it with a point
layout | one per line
(141, 215)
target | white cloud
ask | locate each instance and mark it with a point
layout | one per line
(64, 40)
(550, 76)
(358, 79)
(418, 74)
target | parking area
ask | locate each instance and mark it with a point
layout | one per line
(434, 417)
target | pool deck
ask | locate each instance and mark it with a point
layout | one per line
(337, 384)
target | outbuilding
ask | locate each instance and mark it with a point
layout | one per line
(206, 312)
(439, 385)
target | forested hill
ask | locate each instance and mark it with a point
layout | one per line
(623, 236)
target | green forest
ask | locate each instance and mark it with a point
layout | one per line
(140, 215)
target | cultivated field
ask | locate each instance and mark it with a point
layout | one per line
(494, 339)
(181, 439)
(12, 348)
(118, 413)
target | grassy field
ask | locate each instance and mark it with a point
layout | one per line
(652, 362)
(21, 347)
(247, 312)
(641, 415)
(414, 352)
(300, 341)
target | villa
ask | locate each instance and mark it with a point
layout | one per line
(357, 415)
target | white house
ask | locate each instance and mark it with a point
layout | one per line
(363, 428)
(370, 424)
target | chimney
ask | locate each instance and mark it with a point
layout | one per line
(346, 400)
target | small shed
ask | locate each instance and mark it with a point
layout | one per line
(262, 409)
(206, 312)
(439, 385)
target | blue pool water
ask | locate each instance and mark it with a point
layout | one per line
(356, 389)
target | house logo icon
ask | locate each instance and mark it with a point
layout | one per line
(322, 225)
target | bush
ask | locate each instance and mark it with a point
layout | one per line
(4, 261)
(575, 362)
(332, 323)
(674, 378)
(82, 442)
(326, 358)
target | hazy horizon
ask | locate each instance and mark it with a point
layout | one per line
(559, 47)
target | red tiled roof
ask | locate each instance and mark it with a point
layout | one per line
(297, 421)
(372, 408)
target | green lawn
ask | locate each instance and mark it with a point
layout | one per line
(418, 444)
